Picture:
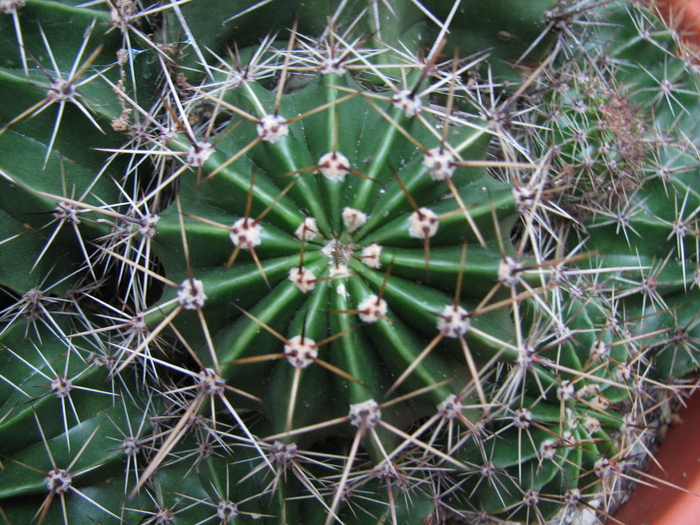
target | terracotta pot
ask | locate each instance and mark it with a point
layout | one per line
(675, 497)
(679, 457)
(684, 17)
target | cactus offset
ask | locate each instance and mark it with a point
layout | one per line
(368, 264)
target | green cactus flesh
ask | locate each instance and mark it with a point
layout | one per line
(354, 267)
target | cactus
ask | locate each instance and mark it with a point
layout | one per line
(388, 262)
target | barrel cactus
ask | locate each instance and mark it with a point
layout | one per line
(349, 262)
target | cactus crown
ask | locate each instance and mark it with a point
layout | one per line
(372, 263)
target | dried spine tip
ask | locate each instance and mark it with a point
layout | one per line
(409, 103)
(454, 321)
(271, 128)
(304, 278)
(191, 294)
(334, 166)
(423, 224)
(372, 309)
(300, 351)
(440, 163)
(246, 233)
(371, 255)
(307, 230)
(353, 219)
(365, 415)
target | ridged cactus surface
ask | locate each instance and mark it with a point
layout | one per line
(340, 262)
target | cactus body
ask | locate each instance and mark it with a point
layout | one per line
(364, 266)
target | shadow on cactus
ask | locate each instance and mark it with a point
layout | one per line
(363, 267)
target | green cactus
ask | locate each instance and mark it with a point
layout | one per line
(393, 262)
